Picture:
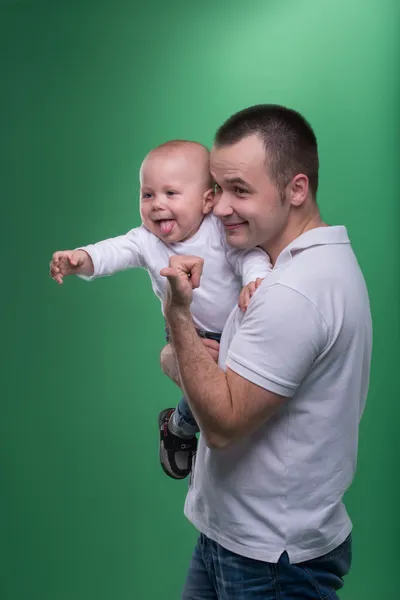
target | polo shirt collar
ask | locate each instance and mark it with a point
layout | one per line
(319, 236)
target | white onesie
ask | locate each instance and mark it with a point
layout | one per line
(225, 270)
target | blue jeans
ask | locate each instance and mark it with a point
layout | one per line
(218, 574)
(185, 419)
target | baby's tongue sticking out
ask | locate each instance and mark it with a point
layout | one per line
(166, 226)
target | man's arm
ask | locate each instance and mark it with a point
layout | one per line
(219, 400)
(169, 364)
(280, 336)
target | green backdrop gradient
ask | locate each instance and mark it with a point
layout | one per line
(87, 89)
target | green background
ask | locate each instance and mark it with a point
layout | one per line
(87, 89)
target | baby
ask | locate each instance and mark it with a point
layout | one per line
(176, 209)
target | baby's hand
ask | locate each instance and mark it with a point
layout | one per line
(247, 293)
(69, 262)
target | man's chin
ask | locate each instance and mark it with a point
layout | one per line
(238, 240)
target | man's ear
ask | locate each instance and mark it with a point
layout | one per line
(208, 201)
(298, 190)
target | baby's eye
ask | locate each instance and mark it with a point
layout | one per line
(146, 196)
(171, 193)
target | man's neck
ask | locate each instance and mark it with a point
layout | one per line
(294, 229)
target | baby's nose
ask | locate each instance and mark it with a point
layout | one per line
(157, 203)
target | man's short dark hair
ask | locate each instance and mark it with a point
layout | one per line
(290, 143)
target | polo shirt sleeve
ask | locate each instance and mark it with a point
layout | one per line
(281, 335)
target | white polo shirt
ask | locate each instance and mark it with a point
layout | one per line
(306, 335)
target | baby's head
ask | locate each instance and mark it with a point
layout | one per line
(176, 190)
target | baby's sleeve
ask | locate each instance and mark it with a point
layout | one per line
(249, 264)
(116, 254)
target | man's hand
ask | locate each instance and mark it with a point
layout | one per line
(169, 363)
(183, 274)
(70, 262)
(247, 292)
(212, 348)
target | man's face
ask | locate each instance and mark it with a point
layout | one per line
(252, 208)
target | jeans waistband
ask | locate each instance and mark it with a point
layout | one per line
(209, 335)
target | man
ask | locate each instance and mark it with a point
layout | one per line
(279, 414)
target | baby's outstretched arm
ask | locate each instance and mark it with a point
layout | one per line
(103, 258)
(253, 266)
(70, 262)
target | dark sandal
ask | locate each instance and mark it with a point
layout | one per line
(176, 454)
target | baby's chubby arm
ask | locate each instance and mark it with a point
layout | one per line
(253, 266)
(250, 265)
(103, 258)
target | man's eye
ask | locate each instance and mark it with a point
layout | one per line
(239, 191)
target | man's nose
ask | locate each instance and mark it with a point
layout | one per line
(222, 206)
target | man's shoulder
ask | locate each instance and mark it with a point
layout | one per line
(320, 269)
(317, 281)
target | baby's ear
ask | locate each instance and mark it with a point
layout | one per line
(208, 201)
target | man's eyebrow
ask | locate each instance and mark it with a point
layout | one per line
(238, 180)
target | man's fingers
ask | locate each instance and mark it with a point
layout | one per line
(195, 274)
(213, 353)
(191, 265)
(212, 347)
(210, 343)
(173, 276)
(169, 272)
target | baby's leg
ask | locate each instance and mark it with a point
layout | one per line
(182, 422)
(169, 364)
(177, 427)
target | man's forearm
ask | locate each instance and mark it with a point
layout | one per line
(203, 382)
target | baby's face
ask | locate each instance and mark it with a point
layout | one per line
(174, 195)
